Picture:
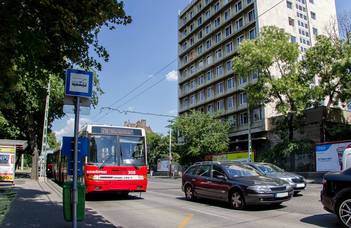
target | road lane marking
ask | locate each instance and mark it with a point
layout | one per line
(185, 221)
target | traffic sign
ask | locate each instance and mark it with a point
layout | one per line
(79, 83)
(68, 151)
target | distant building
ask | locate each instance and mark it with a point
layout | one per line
(140, 124)
(209, 34)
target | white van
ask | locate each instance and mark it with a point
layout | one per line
(346, 159)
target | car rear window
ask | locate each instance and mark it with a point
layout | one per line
(191, 170)
(204, 171)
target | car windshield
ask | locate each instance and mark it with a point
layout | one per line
(268, 168)
(236, 170)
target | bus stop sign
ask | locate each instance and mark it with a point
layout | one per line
(68, 149)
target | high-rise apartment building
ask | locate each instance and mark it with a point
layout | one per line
(210, 32)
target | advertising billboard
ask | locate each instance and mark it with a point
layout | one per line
(329, 156)
(162, 165)
(7, 163)
(234, 156)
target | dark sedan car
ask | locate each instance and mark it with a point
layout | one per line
(233, 182)
(336, 195)
(297, 182)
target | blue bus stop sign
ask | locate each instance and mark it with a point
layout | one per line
(67, 150)
(79, 83)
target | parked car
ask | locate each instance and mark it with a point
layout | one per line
(336, 195)
(233, 182)
(297, 182)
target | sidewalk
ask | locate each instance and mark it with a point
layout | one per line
(39, 204)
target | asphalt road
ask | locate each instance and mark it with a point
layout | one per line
(164, 205)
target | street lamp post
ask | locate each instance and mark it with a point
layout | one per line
(249, 130)
(170, 151)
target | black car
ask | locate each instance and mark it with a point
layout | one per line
(233, 182)
(336, 195)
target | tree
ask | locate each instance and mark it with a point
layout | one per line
(275, 59)
(40, 40)
(202, 133)
(47, 37)
(158, 147)
(330, 61)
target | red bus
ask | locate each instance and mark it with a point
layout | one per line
(116, 160)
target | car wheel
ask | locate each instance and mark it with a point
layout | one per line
(189, 192)
(237, 200)
(344, 212)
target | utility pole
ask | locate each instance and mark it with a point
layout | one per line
(170, 151)
(44, 141)
(249, 129)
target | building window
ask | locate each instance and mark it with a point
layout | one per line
(199, 21)
(252, 34)
(208, 43)
(217, 22)
(238, 6)
(313, 15)
(208, 29)
(201, 64)
(199, 35)
(226, 14)
(229, 66)
(291, 22)
(216, 7)
(199, 49)
(218, 37)
(232, 120)
(289, 4)
(209, 92)
(201, 80)
(293, 39)
(243, 118)
(254, 75)
(315, 31)
(220, 88)
(242, 80)
(230, 83)
(311, 1)
(242, 98)
(220, 105)
(209, 75)
(257, 114)
(248, 1)
(209, 60)
(210, 108)
(193, 100)
(239, 23)
(219, 53)
(229, 47)
(230, 103)
(251, 15)
(240, 39)
(219, 70)
(202, 95)
(228, 30)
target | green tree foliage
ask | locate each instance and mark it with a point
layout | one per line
(158, 147)
(52, 141)
(202, 133)
(330, 61)
(275, 59)
(47, 37)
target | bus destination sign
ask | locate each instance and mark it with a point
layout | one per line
(115, 131)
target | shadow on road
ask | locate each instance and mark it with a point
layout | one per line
(226, 205)
(111, 196)
(322, 220)
(27, 210)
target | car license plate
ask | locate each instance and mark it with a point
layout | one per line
(302, 185)
(281, 194)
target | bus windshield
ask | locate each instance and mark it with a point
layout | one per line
(114, 150)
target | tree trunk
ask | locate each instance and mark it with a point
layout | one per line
(291, 126)
(32, 143)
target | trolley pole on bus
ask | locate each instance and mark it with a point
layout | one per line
(75, 167)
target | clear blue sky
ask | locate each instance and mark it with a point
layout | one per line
(137, 51)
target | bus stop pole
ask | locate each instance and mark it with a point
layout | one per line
(75, 166)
